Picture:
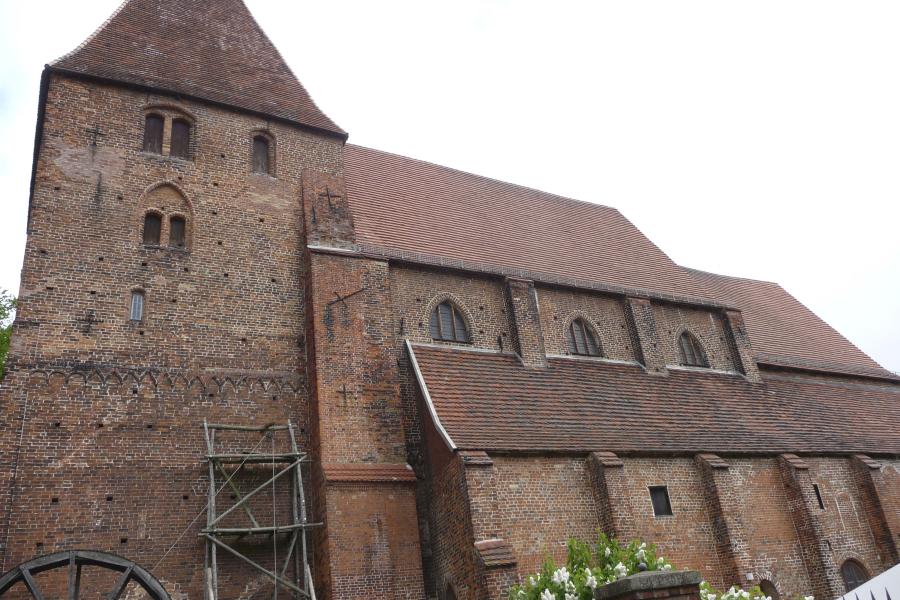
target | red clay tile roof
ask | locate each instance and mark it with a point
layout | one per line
(421, 208)
(785, 332)
(208, 49)
(489, 401)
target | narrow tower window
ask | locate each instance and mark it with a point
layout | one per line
(152, 227)
(819, 496)
(176, 232)
(260, 155)
(581, 339)
(137, 305)
(447, 324)
(181, 138)
(690, 352)
(153, 134)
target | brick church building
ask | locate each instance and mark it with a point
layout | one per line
(457, 373)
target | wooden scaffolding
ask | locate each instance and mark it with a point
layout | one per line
(286, 462)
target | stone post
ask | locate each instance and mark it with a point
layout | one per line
(653, 585)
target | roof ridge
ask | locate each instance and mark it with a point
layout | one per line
(552, 195)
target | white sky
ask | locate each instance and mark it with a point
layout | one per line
(759, 139)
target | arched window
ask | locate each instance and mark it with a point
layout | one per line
(181, 139)
(152, 228)
(768, 588)
(447, 324)
(137, 305)
(690, 352)
(153, 134)
(261, 163)
(854, 574)
(177, 227)
(581, 339)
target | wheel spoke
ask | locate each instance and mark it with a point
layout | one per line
(32, 585)
(120, 585)
(74, 578)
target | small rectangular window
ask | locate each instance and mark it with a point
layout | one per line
(181, 138)
(176, 232)
(260, 155)
(659, 496)
(137, 306)
(819, 496)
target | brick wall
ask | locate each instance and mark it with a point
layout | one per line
(559, 307)
(416, 293)
(706, 325)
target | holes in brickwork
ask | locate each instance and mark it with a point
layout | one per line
(123, 540)
(274, 280)
(57, 424)
(54, 500)
(93, 292)
(119, 197)
(109, 498)
(219, 242)
(261, 220)
(215, 212)
(42, 251)
(141, 332)
(243, 340)
(39, 545)
(50, 288)
(100, 425)
(222, 156)
(99, 259)
(659, 497)
(184, 496)
(187, 270)
(55, 188)
(215, 184)
(225, 275)
(143, 264)
(149, 425)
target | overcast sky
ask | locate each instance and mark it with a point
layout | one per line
(758, 139)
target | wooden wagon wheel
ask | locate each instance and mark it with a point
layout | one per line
(74, 560)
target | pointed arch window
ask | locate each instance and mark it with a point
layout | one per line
(690, 351)
(181, 139)
(153, 133)
(447, 324)
(152, 229)
(581, 339)
(854, 574)
(261, 162)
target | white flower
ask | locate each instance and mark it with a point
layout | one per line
(531, 581)
(667, 567)
(547, 595)
(571, 596)
(590, 580)
(570, 586)
(711, 597)
(660, 561)
(641, 554)
(745, 595)
(561, 575)
(809, 598)
(621, 570)
(607, 552)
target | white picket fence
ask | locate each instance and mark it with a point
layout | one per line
(884, 587)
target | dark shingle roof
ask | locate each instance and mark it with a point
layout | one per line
(208, 49)
(489, 401)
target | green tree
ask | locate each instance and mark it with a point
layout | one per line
(7, 313)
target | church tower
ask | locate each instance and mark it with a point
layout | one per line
(183, 179)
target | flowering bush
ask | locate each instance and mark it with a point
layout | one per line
(587, 568)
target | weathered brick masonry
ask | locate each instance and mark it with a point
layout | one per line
(441, 467)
